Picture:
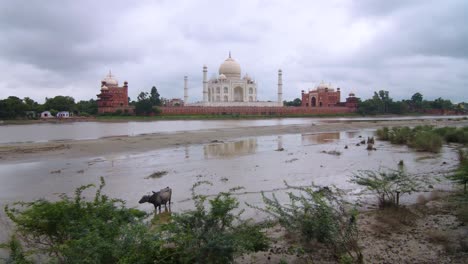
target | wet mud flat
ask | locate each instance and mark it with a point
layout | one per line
(257, 164)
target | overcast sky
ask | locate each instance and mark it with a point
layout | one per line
(60, 47)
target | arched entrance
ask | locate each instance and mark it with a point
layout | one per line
(238, 94)
(313, 102)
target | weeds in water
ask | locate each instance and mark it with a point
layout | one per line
(156, 175)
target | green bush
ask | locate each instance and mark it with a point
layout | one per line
(73, 230)
(103, 230)
(426, 141)
(214, 234)
(388, 186)
(318, 214)
(460, 176)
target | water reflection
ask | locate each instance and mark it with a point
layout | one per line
(319, 138)
(231, 149)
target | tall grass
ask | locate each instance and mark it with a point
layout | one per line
(424, 138)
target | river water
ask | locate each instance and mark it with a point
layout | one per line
(93, 130)
(253, 163)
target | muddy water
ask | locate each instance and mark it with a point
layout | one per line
(253, 163)
(94, 130)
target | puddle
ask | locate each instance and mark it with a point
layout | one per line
(252, 163)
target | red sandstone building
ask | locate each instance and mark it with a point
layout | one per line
(325, 95)
(112, 97)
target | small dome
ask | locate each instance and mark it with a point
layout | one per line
(104, 88)
(247, 77)
(109, 80)
(230, 68)
(222, 77)
(351, 94)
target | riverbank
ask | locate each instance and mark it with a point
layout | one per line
(147, 142)
(111, 118)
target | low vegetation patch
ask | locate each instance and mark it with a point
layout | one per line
(102, 230)
(320, 215)
(156, 175)
(388, 186)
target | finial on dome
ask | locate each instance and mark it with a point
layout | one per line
(229, 54)
(110, 73)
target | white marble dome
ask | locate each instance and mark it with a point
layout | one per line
(222, 77)
(109, 80)
(230, 68)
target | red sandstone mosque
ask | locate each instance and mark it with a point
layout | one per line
(112, 97)
(325, 95)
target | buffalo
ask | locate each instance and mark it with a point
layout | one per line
(158, 198)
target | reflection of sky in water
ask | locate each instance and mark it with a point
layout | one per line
(253, 163)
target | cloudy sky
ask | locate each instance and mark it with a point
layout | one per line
(61, 47)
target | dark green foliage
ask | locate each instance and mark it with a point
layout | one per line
(73, 230)
(389, 185)
(84, 108)
(382, 103)
(423, 138)
(17, 254)
(295, 102)
(12, 107)
(60, 103)
(214, 234)
(103, 230)
(154, 97)
(319, 214)
(461, 174)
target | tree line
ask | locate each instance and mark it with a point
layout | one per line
(14, 107)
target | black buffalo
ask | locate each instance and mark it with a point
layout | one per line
(158, 198)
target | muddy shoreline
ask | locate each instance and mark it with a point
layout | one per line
(147, 142)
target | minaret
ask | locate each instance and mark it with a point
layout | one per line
(185, 90)
(280, 87)
(205, 84)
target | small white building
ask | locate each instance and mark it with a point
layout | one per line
(46, 114)
(63, 114)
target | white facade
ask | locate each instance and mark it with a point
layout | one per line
(46, 114)
(229, 89)
(63, 114)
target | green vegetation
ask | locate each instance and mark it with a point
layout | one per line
(388, 186)
(382, 103)
(461, 174)
(318, 214)
(424, 138)
(295, 102)
(102, 230)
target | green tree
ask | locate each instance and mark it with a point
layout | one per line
(12, 107)
(84, 107)
(154, 96)
(295, 102)
(60, 103)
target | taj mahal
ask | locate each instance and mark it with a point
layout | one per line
(230, 89)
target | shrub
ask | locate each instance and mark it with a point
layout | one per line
(383, 133)
(388, 186)
(72, 229)
(318, 214)
(210, 235)
(460, 176)
(426, 141)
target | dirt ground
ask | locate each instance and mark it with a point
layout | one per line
(431, 231)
